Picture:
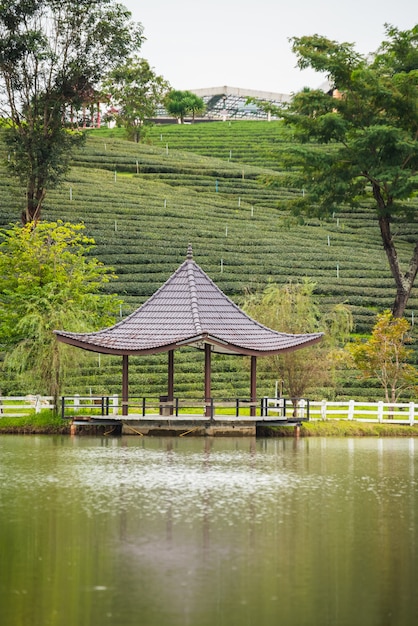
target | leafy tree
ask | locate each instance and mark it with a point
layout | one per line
(137, 90)
(292, 309)
(52, 54)
(48, 281)
(384, 356)
(371, 129)
(181, 103)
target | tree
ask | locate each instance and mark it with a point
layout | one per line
(369, 121)
(52, 55)
(292, 309)
(48, 281)
(181, 103)
(384, 356)
(137, 90)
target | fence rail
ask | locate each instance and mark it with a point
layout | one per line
(381, 412)
(19, 406)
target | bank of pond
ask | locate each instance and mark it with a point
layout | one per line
(47, 423)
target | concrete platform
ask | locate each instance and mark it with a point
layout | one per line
(199, 425)
(176, 426)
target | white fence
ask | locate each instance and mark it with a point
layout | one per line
(400, 412)
(381, 412)
(272, 408)
(18, 406)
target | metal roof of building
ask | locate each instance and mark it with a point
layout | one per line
(188, 310)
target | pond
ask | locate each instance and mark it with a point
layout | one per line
(208, 531)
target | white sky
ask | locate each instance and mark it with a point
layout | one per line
(243, 43)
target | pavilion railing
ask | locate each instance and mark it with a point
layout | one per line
(139, 406)
(285, 409)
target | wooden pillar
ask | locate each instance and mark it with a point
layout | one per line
(208, 376)
(253, 385)
(170, 381)
(125, 385)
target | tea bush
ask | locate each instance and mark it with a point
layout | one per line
(203, 184)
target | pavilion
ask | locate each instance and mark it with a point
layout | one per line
(188, 310)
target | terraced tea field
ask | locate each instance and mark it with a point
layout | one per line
(203, 184)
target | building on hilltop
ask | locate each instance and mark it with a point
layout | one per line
(236, 103)
(233, 103)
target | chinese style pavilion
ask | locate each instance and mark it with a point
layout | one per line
(188, 310)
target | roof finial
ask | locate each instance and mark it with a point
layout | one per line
(190, 251)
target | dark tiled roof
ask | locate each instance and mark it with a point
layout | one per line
(189, 309)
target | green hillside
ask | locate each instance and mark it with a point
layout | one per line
(203, 184)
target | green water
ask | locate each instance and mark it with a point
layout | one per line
(208, 532)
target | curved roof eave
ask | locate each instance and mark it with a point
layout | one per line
(218, 344)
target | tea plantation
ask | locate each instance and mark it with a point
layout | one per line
(204, 184)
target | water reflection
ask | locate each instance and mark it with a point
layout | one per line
(207, 531)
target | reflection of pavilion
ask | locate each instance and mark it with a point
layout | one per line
(188, 310)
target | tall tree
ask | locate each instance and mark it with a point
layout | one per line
(292, 308)
(369, 121)
(52, 55)
(48, 280)
(137, 91)
(182, 103)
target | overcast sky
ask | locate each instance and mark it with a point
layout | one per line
(242, 43)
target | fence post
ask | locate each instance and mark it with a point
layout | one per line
(380, 411)
(411, 413)
(38, 404)
(324, 410)
(76, 402)
(350, 414)
(115, 404)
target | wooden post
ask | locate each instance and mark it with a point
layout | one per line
(125, 385)
(208, 376)
(253, 385)
(170, 382)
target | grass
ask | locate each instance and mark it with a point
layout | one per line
(337, 428)
(44, 422)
